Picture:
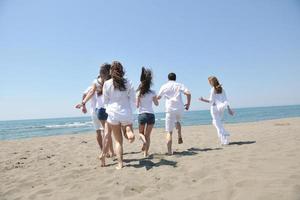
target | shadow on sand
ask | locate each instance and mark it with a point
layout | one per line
(149, 164)
(193, 151)
(242, 143)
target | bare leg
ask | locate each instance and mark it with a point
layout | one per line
(178, 127)
(147, 135)
(142, 135)
(169, 143)
(107, 135)
(111, 147)
(108, 139)
(116, 129)
(99, 139)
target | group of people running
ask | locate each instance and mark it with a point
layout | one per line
(113, 100)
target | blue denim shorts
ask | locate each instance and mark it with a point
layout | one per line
(101, 114)
(146, 118)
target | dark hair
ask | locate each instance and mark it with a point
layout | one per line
(104, 74)
(146, 82)
(172, 77)
(117, 74)
(215, 83)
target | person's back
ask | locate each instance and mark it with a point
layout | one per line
(146, 103)
(117, 101)
(172, 91)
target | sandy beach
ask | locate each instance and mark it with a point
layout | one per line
(262, 162)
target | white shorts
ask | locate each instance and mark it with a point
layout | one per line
(119, 121)
(172, 118)
(96, 122)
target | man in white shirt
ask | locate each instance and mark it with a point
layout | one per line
(97, 124)
(172, 91)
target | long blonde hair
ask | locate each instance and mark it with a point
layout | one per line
(215, 83)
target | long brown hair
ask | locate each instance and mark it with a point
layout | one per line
(215, 83)
(146, 82)
(117, 74)
(104, 74)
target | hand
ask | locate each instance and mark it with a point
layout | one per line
(231, 112)
(187, 106)
(84, 110)
(78, 106)
(201, 99)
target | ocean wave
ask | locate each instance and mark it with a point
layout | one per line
(70, 125)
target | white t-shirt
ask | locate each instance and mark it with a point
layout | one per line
(172, 91)
(100, 100)
(93, 100)
(146, 102)
(118, 103)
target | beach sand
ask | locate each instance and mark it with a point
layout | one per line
(262, 162)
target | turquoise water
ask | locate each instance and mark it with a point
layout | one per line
(45, 127)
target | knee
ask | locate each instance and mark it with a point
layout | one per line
(169, 137)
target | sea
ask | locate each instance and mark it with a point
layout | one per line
(19, 129)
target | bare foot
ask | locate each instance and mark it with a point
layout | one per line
(102, 160)
(143, 139)
(146, 154)
(169, 153)
(130, 135)
(120, 166)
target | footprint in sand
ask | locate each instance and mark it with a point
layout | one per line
(133, 190)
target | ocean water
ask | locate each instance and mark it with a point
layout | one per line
(18, 129)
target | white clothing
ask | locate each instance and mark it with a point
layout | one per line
(93, 101)
(220, 100)
(100, 100)
(96, 122)
(118, 103)
(146, 102)
(172, 91)
(219, 103)
(171, 119)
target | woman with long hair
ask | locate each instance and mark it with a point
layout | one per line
(146, 118)
(219, 102)
(119, 96)
(96, 91)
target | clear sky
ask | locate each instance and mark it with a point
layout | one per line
(50, 51)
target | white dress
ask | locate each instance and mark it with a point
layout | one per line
(219, 103)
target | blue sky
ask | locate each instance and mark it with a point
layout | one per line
(50, 51)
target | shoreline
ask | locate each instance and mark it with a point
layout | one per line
(161, 129)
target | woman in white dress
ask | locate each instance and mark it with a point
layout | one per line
(219, 102)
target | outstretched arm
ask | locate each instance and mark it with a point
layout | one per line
(204, 100)
(87, 97)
